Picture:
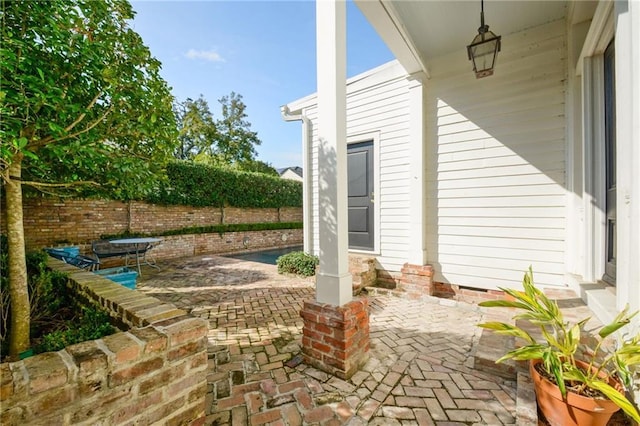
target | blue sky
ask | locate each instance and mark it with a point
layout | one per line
(263, 50)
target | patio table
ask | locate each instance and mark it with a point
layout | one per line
(142, 246)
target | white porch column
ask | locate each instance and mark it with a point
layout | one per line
(333, 282)
(418, 196)
(627, 39)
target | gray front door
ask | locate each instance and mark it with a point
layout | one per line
(360, 192)
(610, 161)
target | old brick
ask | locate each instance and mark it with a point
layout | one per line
(6, 382)
(134, 407)
(186, 416)
(165, 410)
(187, 349)
(89, 358)
(155, 341)
(254, 402)
(186, 330)
(46, 371)
(231, 402)
(303, 398)
(179, 386)
(265, 417)
(51, 400)
(318, 414)
(291, 415)
(124, 346)
(126, 374)
(107, 401)
(161, 379)
(13, 416)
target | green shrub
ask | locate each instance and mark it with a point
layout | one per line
(203, 185)
(297, 262)
(92, 324)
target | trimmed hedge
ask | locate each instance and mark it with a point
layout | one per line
(202, 185)
(220, 229)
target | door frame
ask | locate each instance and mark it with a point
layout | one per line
(375, 137)
(591, 66)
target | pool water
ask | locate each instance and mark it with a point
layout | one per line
(265, 256)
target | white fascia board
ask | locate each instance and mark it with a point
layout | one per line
(377, 75)
(384, 19)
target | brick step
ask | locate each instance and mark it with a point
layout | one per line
(490, 347)
(225, 371)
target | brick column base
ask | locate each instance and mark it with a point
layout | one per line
(416, 280)
(335, 339)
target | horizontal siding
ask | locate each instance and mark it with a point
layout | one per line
(383, 108)
(496, 173)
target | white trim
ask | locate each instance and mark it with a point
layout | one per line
(307, 186)
(600, 33)
(384, 19)
(593, 167)
(417, 254)
(307, 183)
(375, 137)
(362, 81)
(333, 281)
(627, 76)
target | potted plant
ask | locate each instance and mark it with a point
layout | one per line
(577, 381)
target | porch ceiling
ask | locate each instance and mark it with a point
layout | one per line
(433, 28)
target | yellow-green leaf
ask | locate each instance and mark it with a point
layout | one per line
(617, 398)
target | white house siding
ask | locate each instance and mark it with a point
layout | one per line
(291, 175)
(377, 103)
(496, 164)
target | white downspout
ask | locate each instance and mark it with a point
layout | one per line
(307, 190)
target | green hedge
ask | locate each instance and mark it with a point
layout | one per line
(220, 229)
(202, 185)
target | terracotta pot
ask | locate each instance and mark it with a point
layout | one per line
(576, 410)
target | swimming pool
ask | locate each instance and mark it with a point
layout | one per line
(265, 256)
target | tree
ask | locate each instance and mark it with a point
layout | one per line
(82, 102)
(256, 166)
(236, 142)
(196, 127)
(224, 142)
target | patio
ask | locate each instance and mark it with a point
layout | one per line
(420, 371)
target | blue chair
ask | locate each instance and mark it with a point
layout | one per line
(80, 261)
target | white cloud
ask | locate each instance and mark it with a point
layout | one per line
(207, 55)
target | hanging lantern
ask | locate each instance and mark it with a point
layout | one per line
(484, 48)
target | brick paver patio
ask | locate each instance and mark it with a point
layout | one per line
(420, 370)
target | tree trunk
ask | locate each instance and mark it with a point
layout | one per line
(18, 290)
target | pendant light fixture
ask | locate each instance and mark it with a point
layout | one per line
(484, 48)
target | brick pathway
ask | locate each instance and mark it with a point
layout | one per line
(420, 370)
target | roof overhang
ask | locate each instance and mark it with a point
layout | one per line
(416, 32)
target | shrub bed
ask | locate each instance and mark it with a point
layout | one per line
(57, 319)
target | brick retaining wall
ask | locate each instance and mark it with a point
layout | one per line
(152, 373)
(176, 246)
(49, 221)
